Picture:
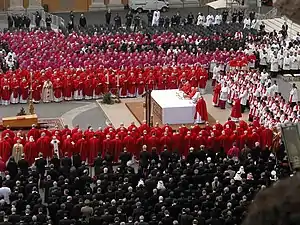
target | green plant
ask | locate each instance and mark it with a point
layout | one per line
(107, 99)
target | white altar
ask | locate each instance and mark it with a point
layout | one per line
(170, 107)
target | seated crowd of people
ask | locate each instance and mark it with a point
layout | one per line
(40, 50)
(200, 176)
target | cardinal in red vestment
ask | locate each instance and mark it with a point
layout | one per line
(68, 146)
(82, 148)
(165, 142)
(189, 142)
(31, 151)
(68, 87)
(43, 144)
(107, 145)
(216, 95)
(177, 142)
(34, 132)
(8, 131)
(5, 149)
(24, 91)
(57, 90)
(118, 148)
(130, 144)
(36, 91)
(201, 115)
(5, 92)
(236, 110)
(266, 138)
(234, 151)
(94, 148)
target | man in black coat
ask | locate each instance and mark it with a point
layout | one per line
(137, 22)
(145, 157)
(40, 164)
(108, 17)
(129, 18)
(82, 21)
(38, 19)
(23, 165)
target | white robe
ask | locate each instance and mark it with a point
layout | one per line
(244, 97)
(200, 20)
(293, 95)
(224, 93)
(294, 63)
(274, 64)
(286, 63)
(47, 92)
(247, 23)
(155, 19)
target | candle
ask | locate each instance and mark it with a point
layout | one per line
(118, 80)
(107, 81)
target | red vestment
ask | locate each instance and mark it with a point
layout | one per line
(224, 142)
(165, 141)
(266, 138)
(188, 143)
(94, 148)
(211, 143)
(15, 88)
(202, 82)
(234, 152)
(76, 136)
(5, 93)
(196, 129)
(24, 90)
(243, 140)
(200, 140)
(9, 132)
(177, 143)
(35, 133)
(68, 147)
(82, 148)
(88, 87)
(143, 140)
(140, 85)
(129, 143)
(236, 110)
(57, 89)
(118, 148)
(31, 152)
(143, 127)
(68, 88)
(216, 95)
(36, 91)
(201, 110)
(43, 145)
(131, 85)
(5, 150)
(107, 146)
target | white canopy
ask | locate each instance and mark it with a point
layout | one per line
(221, 4)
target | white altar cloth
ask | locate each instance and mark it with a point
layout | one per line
(171, 108)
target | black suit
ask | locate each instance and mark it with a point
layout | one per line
(14, 218)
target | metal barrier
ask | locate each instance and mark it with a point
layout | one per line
(273, 13)
(57, 21)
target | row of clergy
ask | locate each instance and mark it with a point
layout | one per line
(40, 39)
(256, 90)
(59, 52)
(113, 141)
(278, 60)
(88, 87)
